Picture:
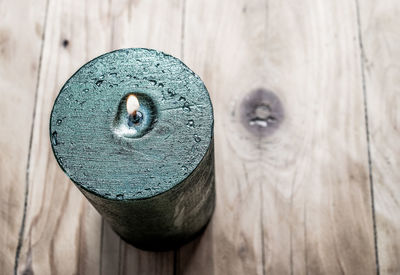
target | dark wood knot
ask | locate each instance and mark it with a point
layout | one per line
(65, 43)
(261, 112)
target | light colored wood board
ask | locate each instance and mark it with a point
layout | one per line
(379, 22)
(61, 225)
(149, 24)
(222, 45)
(20, 47)
(316, 196)
(63, 232)
(313, 173)
(316, 193)
(306, 185)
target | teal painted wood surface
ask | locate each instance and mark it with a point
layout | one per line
(154, 181)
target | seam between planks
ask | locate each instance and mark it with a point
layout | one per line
(368, 135)
(28, 163)
(264, 272)
(263, 263)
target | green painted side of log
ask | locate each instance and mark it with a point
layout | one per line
(157, 189)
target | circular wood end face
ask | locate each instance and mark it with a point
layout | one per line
(261, 112)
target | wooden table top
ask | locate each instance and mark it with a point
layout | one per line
(318, 195)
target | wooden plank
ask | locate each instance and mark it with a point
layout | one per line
(20, 48)
(297, 200)
(380, 39)
(317, 214)
(228, 57)
(63, 231)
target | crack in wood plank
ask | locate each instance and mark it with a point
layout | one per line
(367, 133)
(28, 163)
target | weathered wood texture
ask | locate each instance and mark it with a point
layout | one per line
(20, 49)
(299, 200)
(380, 21)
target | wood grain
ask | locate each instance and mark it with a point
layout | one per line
(297, 200)
(317, 213)
(20, 49)
(222, 55)
(379, 29)
(63, 231)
